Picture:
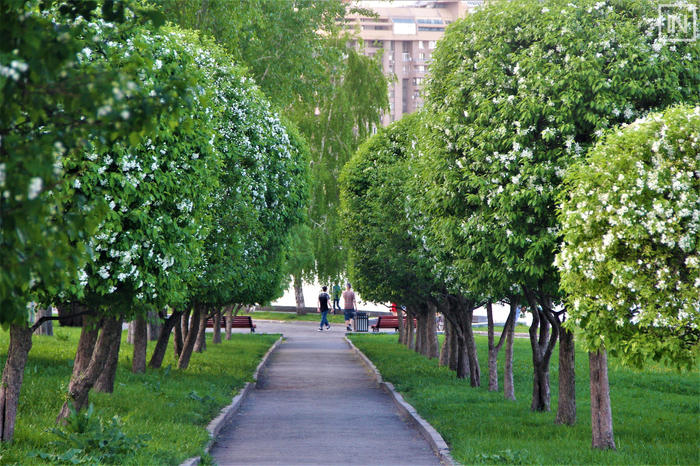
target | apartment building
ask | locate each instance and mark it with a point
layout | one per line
(406, 33)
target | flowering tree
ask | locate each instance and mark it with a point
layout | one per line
(263, 194)
(157, 190)
(519, 91)
(386, 260)
(630, 261)
(297, 51)
(50, 104)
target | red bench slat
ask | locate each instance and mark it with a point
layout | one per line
(238, 322)
(386, 322)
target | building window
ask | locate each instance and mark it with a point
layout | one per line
(404, 26)
(405, 56)
(420, 68)
(421, 55)
(421, 45)
(431, 44)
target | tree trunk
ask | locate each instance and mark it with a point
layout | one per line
(474, 369)
(229, 321)
(402, 329)
(185, 323)
(508, 386)
(86, 344)
(299, 296)
(154, 326)
(12, 377)
(216, 337)
(431, 339)
(188, 345)
(138, 364)
(420, 333)
(79, 387)
(601, 411)
(494, 349)
(200, 344)
(460, 312)
(540, 389)
(493, 354)
(162, 344)
(462, 362)
(180, 335)
(542, 344)
(566, 408)
(453, 360)
(130, 332)
(105, 381)
(445, 350)
(46, 328)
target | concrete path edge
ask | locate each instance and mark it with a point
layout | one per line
(227, 413)
(434, 439)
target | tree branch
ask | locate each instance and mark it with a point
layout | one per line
(39, 322)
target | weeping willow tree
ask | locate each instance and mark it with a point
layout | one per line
(338, 123)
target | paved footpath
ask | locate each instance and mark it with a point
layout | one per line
(317, 404)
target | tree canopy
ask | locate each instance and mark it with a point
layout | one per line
(386, 259)
(519, 91)
(157, 190)
(297, 51)
(630, 261)
(51, 103)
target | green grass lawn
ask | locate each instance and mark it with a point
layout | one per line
(655, 411)
(286, 316)
(171, 406)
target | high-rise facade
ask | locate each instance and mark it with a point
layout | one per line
(405, 32)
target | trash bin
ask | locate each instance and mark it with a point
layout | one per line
(361, 322)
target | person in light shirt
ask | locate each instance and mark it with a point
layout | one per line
(350, 306)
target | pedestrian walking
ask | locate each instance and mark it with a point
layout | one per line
(322, 307)
(350, 306)
(336, 297)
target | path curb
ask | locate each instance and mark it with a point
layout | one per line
(437, 443)
(227, 413)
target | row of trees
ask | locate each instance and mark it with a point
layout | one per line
(469, 202)
(140, 170)
(297, 51)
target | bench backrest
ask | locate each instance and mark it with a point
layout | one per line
(388, 320)
(242, 320)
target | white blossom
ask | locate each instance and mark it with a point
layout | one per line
(35, 186)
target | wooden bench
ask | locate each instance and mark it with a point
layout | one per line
(238, 322)
(386, 322)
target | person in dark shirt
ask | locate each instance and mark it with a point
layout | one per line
(323, 300)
